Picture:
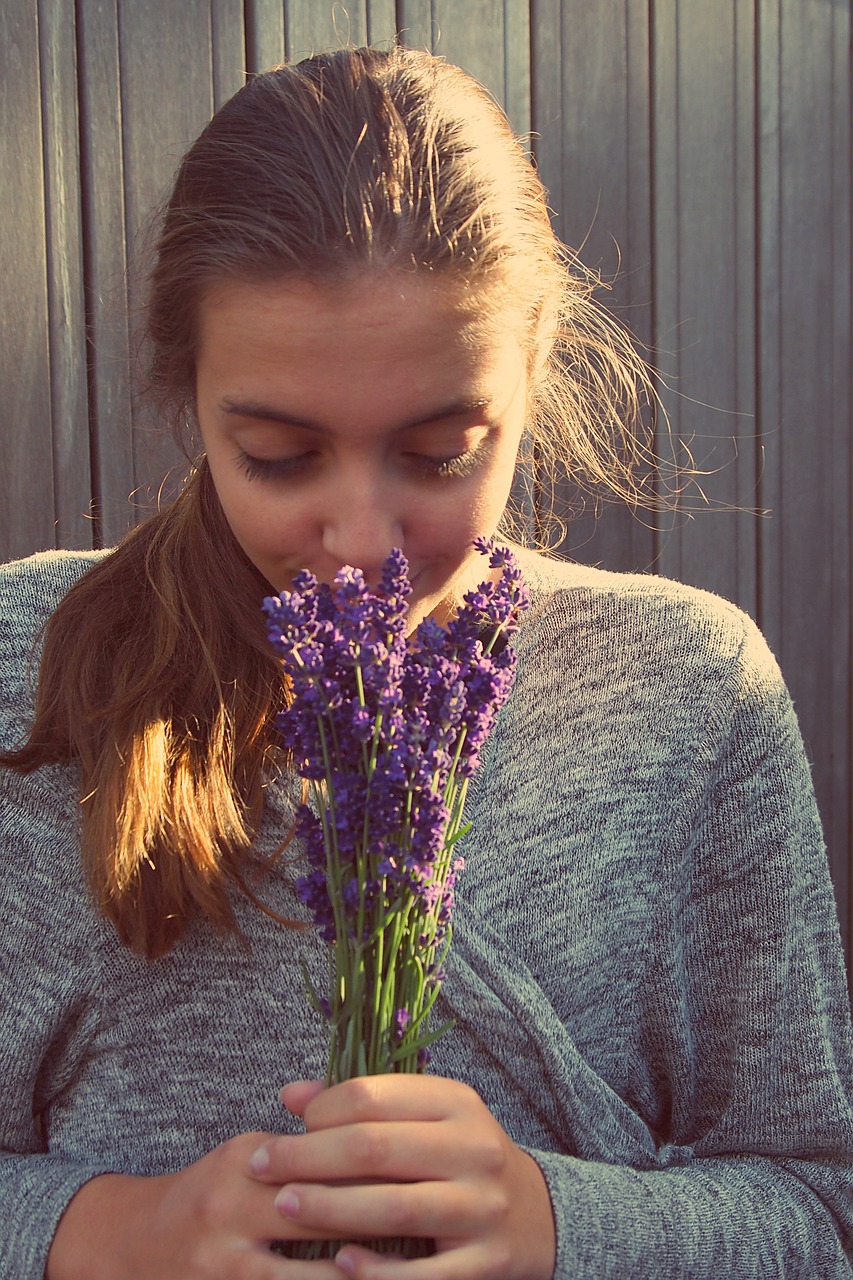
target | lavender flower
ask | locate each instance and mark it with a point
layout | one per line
(387, 728)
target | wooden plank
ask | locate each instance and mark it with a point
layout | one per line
(635, 281)
(265, 45)
(546, 124)
(167, 98)
(605, 102)
(415, 24)
(102, 162)
(634, 286)
(546, 101)
(839, 822)
(806, 440)
(65, 278)
(769, 319)
(715, 405)
(472, 36)
(381, 22)
(518, 106)
(806, 387)
(746, 488)
(665, 291)
(27, 510)
(228, 48)
(312, 26)
(516, 99)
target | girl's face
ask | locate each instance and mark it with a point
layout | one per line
(340, 422)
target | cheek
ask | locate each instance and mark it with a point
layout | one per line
(257, 524)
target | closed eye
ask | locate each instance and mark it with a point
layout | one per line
(272, 468)
(456, 466)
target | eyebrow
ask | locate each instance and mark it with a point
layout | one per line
(265, 413)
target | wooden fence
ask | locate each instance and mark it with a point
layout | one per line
(699, 150)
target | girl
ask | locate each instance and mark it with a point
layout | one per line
(360, 313)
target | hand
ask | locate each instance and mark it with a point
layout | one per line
(402, 1155)
(210, 1221)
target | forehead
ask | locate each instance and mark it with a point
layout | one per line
(373, 303)
(399, 339)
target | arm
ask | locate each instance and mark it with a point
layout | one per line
(46, 1020)
(746, 1013)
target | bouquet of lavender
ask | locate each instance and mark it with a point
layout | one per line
(387, 729)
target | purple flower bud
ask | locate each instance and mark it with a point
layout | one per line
(378, 721)
(402, 1018)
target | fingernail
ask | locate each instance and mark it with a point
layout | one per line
(287, 1204)
(259, 1161)
(346, 1263)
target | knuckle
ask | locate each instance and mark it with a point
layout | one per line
(212, 1206)
(493, 1155)
(368, 1148)
(466, 1098)
(401, 1212)
(494, 1206)
(362, 1096)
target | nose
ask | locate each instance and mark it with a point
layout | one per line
(360, 527)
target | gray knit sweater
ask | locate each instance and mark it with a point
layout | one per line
(646, 972)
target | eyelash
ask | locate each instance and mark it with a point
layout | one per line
(269, 468)
(457, 467)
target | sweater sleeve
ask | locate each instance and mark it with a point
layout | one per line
(757, 1179)
(47, 1016)
(47, 1013)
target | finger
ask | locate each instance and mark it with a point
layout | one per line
(363, 1264)
(298, 1093)
(221, 1198)
(422, 1209)
(388, 1097)
(406, 1151)
(304, 1269)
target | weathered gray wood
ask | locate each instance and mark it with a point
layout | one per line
(416, 26)
(472, 35)
(167, 98)
(265, 44)
(838, 786)
(106, 263)
(381, 22)
(65, 282)
(228, 48)
(26, 465)
(591, 108)
(314, 25)
(805, 568)
(703, 194)
(517, 88)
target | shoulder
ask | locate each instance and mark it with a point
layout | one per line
(565, 587)
(643, 631)
(30, 590)
(569, 594)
